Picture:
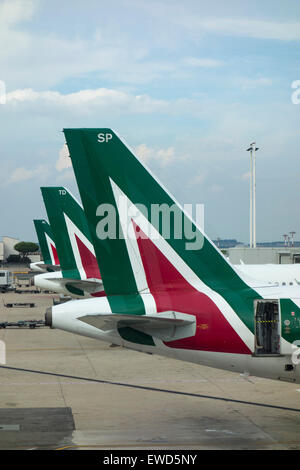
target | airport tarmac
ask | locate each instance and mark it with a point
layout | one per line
(62, 391)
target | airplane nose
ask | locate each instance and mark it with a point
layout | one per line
(48, 317)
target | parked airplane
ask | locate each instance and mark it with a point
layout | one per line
(79, 275)
(47, 247)
(172, 295)
(282, 274)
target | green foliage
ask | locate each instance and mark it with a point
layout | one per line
(24, 248)
(13, 259)
(16, 259)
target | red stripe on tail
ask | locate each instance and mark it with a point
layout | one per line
(88, 260)
(55, 256)
(172, 291)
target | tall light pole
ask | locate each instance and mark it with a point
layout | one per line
(254, 196)
(252, 149)
(292, 233)
(251, 197)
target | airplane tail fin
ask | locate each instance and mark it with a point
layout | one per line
(72, 236)
(144, 240)
(46, 242)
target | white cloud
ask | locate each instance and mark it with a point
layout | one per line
(32, 59)
(13, 12)
(144, 153)
(101, 97)
(64, 160)
(199, 178)
(166, 155)
(252, 28)
(65, 176)
(199, 19)
(163, 156)
(197, 24)
(23, 174)
(35, 60)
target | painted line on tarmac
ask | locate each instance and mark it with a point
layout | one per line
(52, 349)
(154, 389)
(135, 382)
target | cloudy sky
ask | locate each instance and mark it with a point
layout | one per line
(188, 85)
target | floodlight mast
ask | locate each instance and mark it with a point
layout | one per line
(292, 234)
(252, 150)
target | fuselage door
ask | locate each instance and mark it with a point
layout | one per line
(267, 327)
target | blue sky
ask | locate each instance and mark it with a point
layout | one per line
(188, 84)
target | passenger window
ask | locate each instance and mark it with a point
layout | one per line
(284, 283)
(291, 284)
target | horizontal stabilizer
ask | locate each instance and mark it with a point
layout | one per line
(86, 285)
(167, 326)
(51, 267)
(40, 266)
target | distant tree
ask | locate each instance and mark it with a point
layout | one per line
(13, 259)
(16, 259)
(24, 248)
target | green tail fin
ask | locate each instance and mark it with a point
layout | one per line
(71, 231)
(110, 177)
(105, 166)
(46, 242)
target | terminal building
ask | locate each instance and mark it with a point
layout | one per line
(7, 248)
(264, 255)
